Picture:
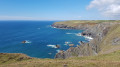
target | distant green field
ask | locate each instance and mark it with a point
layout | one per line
(77, 22)
(89, 21)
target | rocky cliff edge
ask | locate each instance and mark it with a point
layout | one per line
(95, 29)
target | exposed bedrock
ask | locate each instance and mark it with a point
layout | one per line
(95, 30)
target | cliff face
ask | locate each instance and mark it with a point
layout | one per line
(96, 30)
(79, 51)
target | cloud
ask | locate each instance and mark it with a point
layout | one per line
(108, 8)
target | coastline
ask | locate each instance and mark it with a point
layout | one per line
(95, 30)
(107, 43)
(91, 48)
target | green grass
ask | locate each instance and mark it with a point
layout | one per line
(74, 23)
(6, 58)
(105, 60)
(88, 21)
(106, 44)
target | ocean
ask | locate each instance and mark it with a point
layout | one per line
(41, 36)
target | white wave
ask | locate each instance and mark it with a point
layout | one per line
(49, 53)
(52, 46)
(82, 41)
(27, 41)
(70, 33)
(78, 34)
(58, 51)
(87, 37)
(48, 25)
(51, 26)
(67, 42)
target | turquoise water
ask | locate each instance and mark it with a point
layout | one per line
(40, 33)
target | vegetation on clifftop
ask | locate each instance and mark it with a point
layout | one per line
(77, 22)
(6, 58)
(105, 60)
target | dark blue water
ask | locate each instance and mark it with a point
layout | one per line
(12, 33)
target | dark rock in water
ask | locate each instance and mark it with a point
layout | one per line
(58, 46)
(26, 41)
(23, 42)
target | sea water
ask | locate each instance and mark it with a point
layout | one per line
(41, 35)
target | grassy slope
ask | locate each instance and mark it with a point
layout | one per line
(106, 45)
(6, 58)
(106, 60)
(77, 22)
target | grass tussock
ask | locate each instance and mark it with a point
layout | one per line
(6, 58)
(106, 60)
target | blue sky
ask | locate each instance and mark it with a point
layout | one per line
(48, 10)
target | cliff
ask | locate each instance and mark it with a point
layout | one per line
(99, 30)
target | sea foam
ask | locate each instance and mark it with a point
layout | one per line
(70, 33)
(52, 46)
(58, 51)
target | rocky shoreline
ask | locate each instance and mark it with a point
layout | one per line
(95, 30)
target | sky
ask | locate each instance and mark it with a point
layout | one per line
(59, 9)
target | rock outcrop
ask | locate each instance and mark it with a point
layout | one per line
(96, 30)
